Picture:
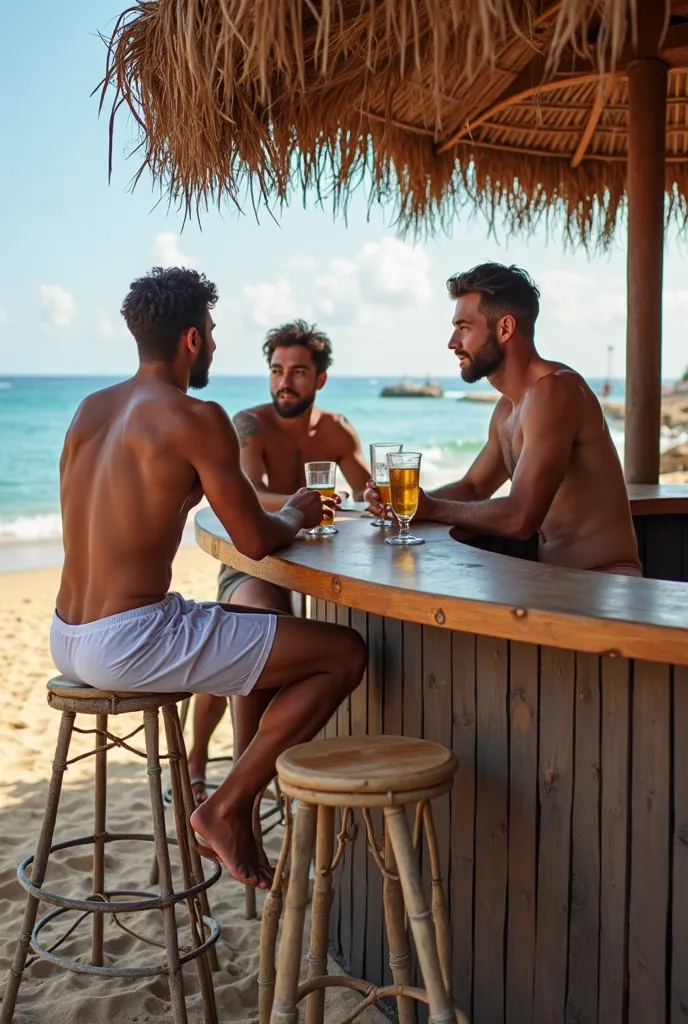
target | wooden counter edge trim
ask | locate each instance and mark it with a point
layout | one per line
(614, 638)
(658, 507)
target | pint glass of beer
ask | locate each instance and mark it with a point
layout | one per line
(321, 476)
(380, 471)
(404, 483)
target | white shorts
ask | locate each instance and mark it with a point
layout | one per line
(168, 647)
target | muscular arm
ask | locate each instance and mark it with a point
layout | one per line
(485, 476)
(549, 420)
(248, 429)
(213, 451)
(352, 462)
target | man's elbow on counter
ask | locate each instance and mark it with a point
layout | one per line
(256, 549)
(524, 523)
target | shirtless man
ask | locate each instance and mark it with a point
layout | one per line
(137, 458)
(547, 434)
(277, 439)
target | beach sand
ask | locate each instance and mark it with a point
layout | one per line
(28, 728)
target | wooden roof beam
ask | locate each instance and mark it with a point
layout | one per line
(596, 112)
(571, 70)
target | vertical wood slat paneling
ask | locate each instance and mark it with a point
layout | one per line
(342, 883)
(356, 853)
(581, 1004)
(373, 929)
(463, 817)
(557, 683)
(392, 721)
(412, 639)
(492, 771)
(437, 702)
(615, 759)
(679, 894)
(523, 831)
(649, 843)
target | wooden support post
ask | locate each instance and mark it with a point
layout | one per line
(647, 98)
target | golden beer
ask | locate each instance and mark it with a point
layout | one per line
(325, 492)
(384, 489)
(404, 485)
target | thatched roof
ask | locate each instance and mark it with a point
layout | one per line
(518, 106)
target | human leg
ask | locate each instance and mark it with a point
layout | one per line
(314, 666)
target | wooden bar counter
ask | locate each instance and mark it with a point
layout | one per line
(564, 695)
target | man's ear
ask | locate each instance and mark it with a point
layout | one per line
(191, 339)
(321, 381)
(506, 328)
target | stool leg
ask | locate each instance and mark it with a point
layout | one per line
(249, 891)
(40, 863)
(440, 910)
(284, 1009)
(395, 921)
(272, 911)
(205, 980)
(99, 836)
(439, 1002)
(150, 720)
(196, 862)
(320, 921)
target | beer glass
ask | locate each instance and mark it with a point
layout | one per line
(320, 476)
(380, 472)
(404, 484)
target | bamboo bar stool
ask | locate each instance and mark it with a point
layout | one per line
(71, 699)
(264, 821)
(362, 772)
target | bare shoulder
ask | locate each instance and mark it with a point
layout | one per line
(249, 423)
(561, 385)
(337, 425)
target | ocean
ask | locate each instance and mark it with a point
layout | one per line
(36, 411)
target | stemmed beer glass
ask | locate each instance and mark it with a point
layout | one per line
(321, 476)
(404, 482)
(380, 472)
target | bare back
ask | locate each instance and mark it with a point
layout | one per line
(126, 492)
(589, 523)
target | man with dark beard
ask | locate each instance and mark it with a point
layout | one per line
(137, 458)
(277, 440)
(548, 435)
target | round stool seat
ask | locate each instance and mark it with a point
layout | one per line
(366, 770)
(91, 700)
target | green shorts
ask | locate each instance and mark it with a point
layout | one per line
(228, 581)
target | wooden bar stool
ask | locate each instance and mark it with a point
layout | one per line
(71, 699)
(363, 772)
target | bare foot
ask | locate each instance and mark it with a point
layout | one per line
(229, 838)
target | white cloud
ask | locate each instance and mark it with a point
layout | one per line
(301, 263)
(576, 299)
(166, 251)
(105, 328)
(61, 305)
(273, 303)
(391, 272)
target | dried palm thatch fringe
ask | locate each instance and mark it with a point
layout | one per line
(281, 96)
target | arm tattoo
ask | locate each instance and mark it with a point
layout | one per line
(247, 426)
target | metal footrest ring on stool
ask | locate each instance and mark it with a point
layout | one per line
(93, 906)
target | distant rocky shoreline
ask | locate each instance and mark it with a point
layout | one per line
(674, 421)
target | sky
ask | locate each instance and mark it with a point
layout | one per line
(72, 243)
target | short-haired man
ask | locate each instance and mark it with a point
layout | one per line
(277, 439)
(547, 434)
(137, 458)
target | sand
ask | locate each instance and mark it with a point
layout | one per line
(28, 730)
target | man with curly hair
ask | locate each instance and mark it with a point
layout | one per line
(137, 458)
(277, 439)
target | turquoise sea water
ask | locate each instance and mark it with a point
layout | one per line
(35, 413)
